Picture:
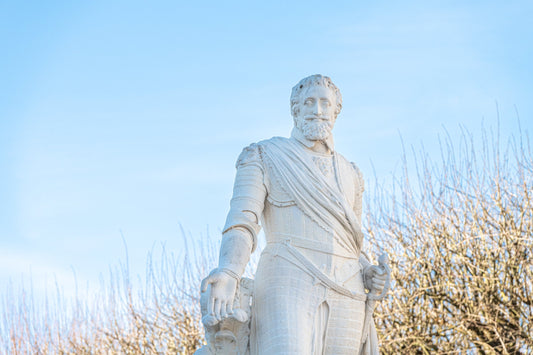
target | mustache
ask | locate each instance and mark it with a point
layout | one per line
(315, 117)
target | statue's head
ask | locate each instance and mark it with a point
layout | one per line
(315, 104)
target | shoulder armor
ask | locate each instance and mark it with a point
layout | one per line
(249, 155)
(359, 176)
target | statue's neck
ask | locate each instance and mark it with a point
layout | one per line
(320, 147)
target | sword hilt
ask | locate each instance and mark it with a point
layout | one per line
(383, 262)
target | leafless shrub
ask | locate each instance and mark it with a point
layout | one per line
(160, 317)
(460, 237)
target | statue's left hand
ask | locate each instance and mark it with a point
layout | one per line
(375, 279)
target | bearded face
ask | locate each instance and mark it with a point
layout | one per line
(315, 129)
(316, 114)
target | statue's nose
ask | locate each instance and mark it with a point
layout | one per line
(317, 110)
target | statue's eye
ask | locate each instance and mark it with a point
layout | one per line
(308, 102)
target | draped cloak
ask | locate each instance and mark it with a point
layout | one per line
(299, 176)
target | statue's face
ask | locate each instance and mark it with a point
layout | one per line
(316, 115)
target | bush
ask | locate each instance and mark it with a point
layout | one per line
(460, 236)
(160, 317)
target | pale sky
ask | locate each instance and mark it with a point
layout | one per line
(127, 117)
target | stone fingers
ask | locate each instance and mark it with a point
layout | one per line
(216, 310)
(206, 282)
(378, 283)
(210, 303)
(223, 309)
(229, 307)
(210, 300)
(378, 270)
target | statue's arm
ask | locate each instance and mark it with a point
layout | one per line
(239, 238)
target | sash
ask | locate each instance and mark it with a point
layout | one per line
(295, 171)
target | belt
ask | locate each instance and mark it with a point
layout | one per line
(310, 244)
(314, 271)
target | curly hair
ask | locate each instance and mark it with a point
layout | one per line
(314, 80)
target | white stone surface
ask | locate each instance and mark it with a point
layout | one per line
(308, 296)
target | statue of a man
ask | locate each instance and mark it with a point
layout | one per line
(309, 290)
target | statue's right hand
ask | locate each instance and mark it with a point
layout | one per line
(223, 288)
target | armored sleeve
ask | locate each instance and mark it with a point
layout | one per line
(359, 189)
(249, 193)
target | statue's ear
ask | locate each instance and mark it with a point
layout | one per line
(295, 110)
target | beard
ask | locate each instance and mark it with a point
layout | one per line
(315, 130)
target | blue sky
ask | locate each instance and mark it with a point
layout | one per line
(126, 117)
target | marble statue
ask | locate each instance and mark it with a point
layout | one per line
(314, 290)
